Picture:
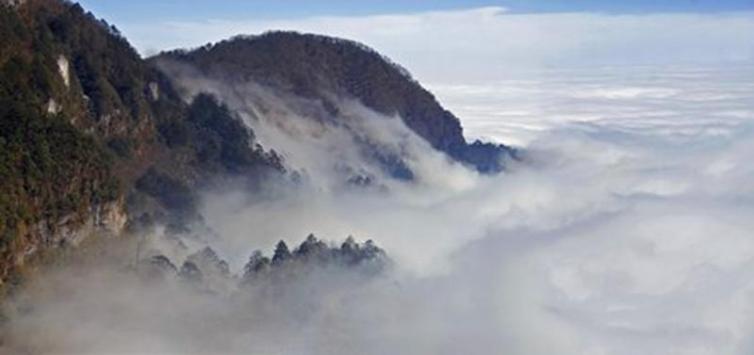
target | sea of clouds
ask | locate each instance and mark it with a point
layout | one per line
(627, 230)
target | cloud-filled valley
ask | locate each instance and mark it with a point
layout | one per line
(291, 193)
(626, 230)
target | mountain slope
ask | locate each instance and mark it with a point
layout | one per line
(83, 119)
(318, 67)
(95, 140)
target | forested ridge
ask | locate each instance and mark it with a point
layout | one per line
(83, 119)
(95, 138)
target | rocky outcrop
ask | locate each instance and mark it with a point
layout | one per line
(93, 137)
(99, 221)
(82, 119)
(64, 70)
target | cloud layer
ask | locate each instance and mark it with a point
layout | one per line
(675, 102)
(470, 45)
(629, 231)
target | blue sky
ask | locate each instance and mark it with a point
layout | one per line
(118, 11)
(432, 39)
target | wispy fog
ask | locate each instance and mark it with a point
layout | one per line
(629, 230)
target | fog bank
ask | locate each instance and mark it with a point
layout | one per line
(628, 230)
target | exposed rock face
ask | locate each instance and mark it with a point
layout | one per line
(91, 134)
(82, 118)
(52, 107)
(154, 91)
(65, 71)
(66, 92)
(107, 219)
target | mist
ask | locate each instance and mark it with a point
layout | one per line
(627, 229)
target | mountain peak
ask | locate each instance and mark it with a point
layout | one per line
(316, 67)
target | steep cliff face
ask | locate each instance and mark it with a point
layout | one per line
(104, 220)
(60, 113)
(322, 68)
(82, 119)
(94, 139)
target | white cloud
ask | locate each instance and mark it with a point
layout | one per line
(682, 101)
(629, 231)
(465, 45)
(624, 235)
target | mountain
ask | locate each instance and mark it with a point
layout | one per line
(91, 135)
(321, 68)
(95, 140)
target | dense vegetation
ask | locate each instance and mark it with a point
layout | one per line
(310, 257)
(214, 145)
(48, 167)
(219, 139)
(315, 66)
(313, 254)
(83, 119)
